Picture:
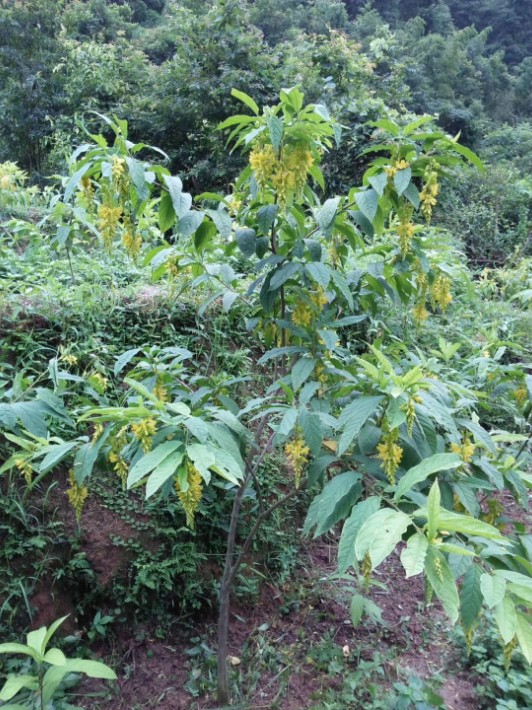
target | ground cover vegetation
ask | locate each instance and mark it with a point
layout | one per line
(265, 292)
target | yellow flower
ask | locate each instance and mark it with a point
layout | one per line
(160, 391)
(132, 242)
(77, 495)
(390, 454)
(98, 431)
(109, 218)
(99, 382)
(297, 455)
(429, 194)
(465, 449)
(405, 230)
(191, 497)
(441, 292)
(420, 313)
(143, 432)
(25, 468)
(115, 455)
(302, 315)
(263, 163)
(319, 299)
(117, 167)
(70, 359)
(521, 395)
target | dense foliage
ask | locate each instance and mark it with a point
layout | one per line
(224, 300)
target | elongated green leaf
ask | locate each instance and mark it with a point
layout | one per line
(247, 100)
(282, 275)
(470, 596)
(35, 639)
(276, 129)
(338, 495)
(442, 581)
(433, 510)
(124, 359)
(166, 213)
(368, 201)
(302, 371)
(467, 153)
(524, 636)
(413, 555)
(380, 534)
(56, 453)
(357, 609)
(435, 463)
(401, 180)
(454, 522)
(493, 589)
(506, 618)
(181, 201)
(326, 213)
(165, 470)
(150, 461)
(55, 657)
(360, 513)
(15, 683)
(353, 418)
(18, 648)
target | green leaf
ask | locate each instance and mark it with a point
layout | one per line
(15, 683)
(311, 427)
(275, 128)
(124, 359)
(442, 581)
(412, 195)
(467, 525)
(413, 555)
(327, 508)
(56, 453)
(380, 534)
(506, 618)
(524, 636)
(401, 180)
(247, 100)
(166, 213)
(282, 275)
(470, 596)
(222, 221)
(35, 639)
(55, 657)
(360, 513)
(190, 222)
(379, 182)
(301, 371)
(247, 241)
(202, 458)
(266, 217)
(493, 589)
(353, 418)
(467, 153)
(433, 464)
(18, 648)
(181, 201)
(357, 609)
(52, 629)
(152, 460)
(521, 591)
(165, 470)
(326, 214)
(319, 273)
(368, 201)
(433, 510)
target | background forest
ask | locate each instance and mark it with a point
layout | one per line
(265, 385)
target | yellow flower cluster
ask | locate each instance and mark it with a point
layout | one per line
(160, 391)
(495, 509)
(25, 468)
(393, 169)
(99, 382)
(117, 167)
(87, 190)
(509, 649)
(319, 298)
(465, 449)
(132, 242)
(420, 313)
(366, 568)
(190, 499)
(302, 315)
(77, 495)
(287, 174)
(297, 455)
(115, 455)
(390, 454)
(521, 395)
(143, 431)
(98, 431)
(441, 292)
(410, 411)
(429, 195)
(70, 360)
(109, 218)
(405, 230)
